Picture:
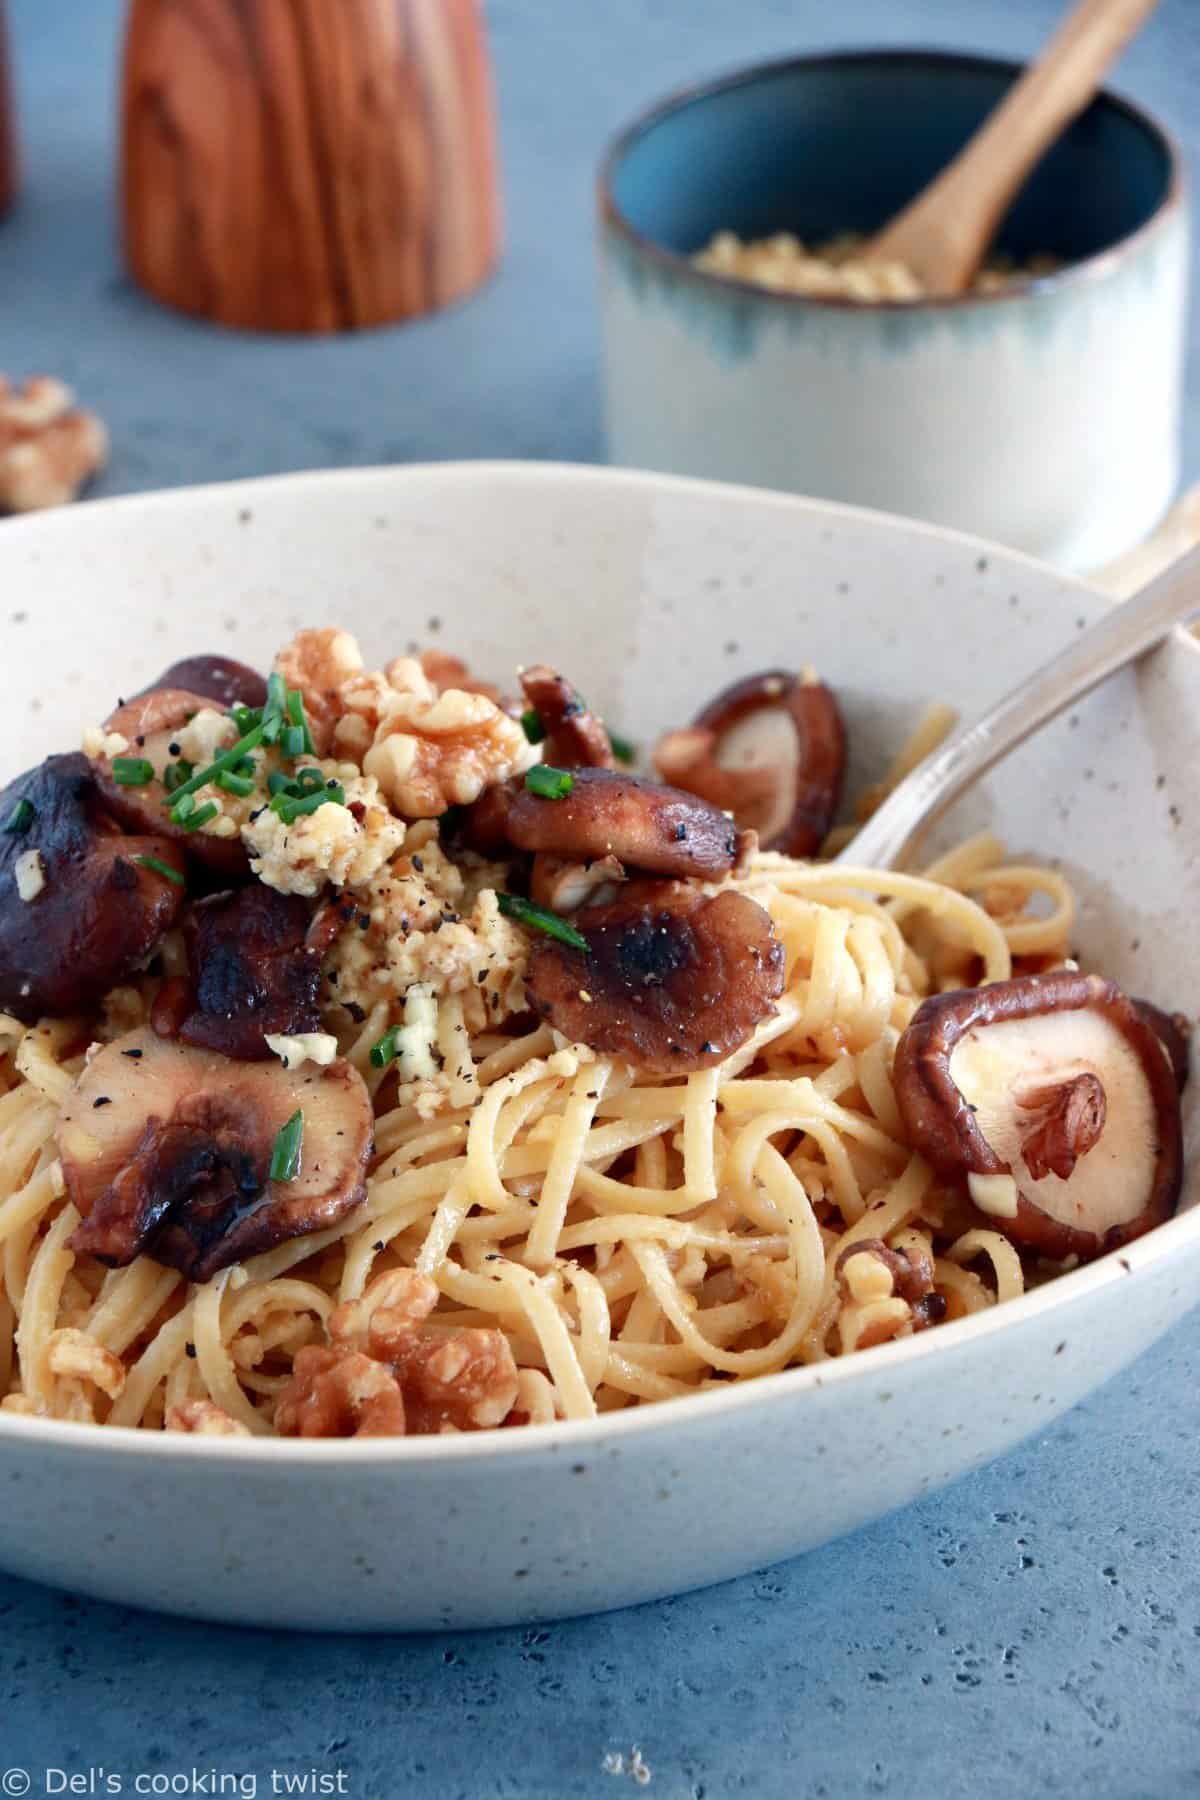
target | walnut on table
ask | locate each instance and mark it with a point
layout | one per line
(49, 447)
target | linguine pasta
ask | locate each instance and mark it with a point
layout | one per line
(635, 1237)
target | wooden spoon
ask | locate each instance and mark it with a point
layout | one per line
(944, 234)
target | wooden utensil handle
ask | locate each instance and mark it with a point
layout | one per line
(955, 219)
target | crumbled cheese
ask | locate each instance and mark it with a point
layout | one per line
(318, 1047)
(415, 1038)
(994, 1194)
(30, 873)
(334, 844)
(97, 742)
(205, 735)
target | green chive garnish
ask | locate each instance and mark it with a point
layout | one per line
(228, 760)
(292, 742)
(176, 773)
(245, 718)
(198, 816)
(20, 819)
(160, 868)
(274, 711)
(622, 749)
(132, 771)
(290, 807)
(526, 913)
(279, 783)
(285, 1158)
(234, 784)
(296, 713)
(532, 726)
(548, 783)
(384, 1051)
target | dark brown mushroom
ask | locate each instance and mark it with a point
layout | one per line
(672, 979)
(1053, 1097)
(166, 1149)
(255, 961)
(910, 1274)
(1174, 1032)
(95, 911)
(222, 681)
(642, 823)
(149, 723)
(575, 738)
(771, 750)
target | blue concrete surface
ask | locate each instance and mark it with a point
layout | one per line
(1034, 1631)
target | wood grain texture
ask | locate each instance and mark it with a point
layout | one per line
(297, 165)
(8, 124)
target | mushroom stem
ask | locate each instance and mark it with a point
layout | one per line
(1065, 1122)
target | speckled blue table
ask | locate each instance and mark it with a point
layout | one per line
(1034, 1631)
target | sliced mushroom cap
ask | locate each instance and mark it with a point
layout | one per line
(94, 911)
(254, 969)
(222, 681)
(672, 980)
(1057, 1102)
(565, 886)
(772, 751)
(1174, 1032)
(575, 738)
(166, 1150)
(642, 823)
(150, 723)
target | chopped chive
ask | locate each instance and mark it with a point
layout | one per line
(285, 1157)
(227, 760)
(548, 783)
(622, 749)
(385, 1050)
(309, 780)
(526, 913)
(176, 773)
(132, 771)
(531, 725)
(199, 815)
(20, 819)
(279, 783)
(291, 807)
(292, 742)
(160, 868)
(234, 784)
(245, 718)
(296, 713)
(273, 712)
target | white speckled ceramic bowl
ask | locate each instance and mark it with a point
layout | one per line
(1046, 417)
(660, 590)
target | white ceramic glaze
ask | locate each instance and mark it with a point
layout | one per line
(1048, 420)
(658, 590)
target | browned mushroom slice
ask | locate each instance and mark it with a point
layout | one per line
(565, 886)
(1056, 1101)
(642, 823)
(1174, 1032)
(255, 968)
(80, 909)
(149, 723)
(221, 680)
(167, 1149)
(772, 751)
(672, 979)
(575, 738)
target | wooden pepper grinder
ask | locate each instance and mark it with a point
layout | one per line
(308, 165)
(8, 125)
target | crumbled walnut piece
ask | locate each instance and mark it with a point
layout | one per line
(889, 1293)
(340, 1393)
(204, 1419)
(467, 1380)
(317, 663)
(430, 751)
(386, 1322)
(74, 1354)
(49, 447)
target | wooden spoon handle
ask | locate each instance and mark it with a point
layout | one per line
(944, 234)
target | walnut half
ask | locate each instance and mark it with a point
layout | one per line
(49, 447)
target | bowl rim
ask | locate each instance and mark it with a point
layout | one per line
(1096, 267)
(606, 1432)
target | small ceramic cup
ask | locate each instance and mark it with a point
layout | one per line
(1045, 416)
